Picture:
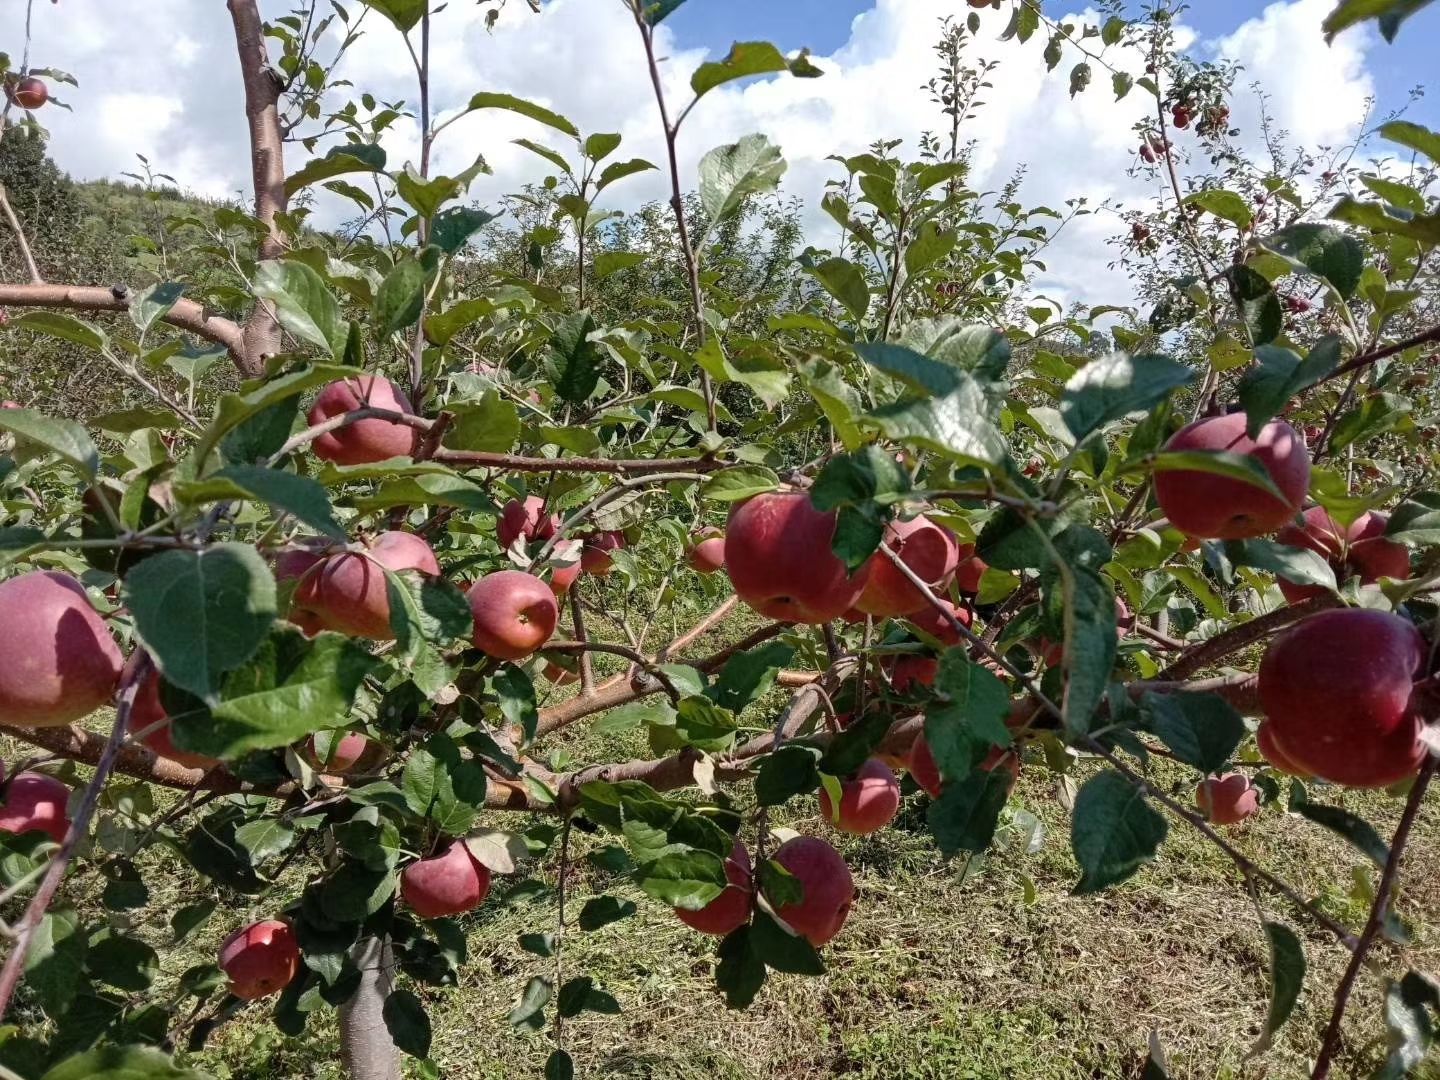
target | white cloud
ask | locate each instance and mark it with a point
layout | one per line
(181, 103)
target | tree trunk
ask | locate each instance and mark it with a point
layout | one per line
(366, 1049)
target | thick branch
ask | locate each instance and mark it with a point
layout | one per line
(1203, 655)
(267, 161)
(186, 314)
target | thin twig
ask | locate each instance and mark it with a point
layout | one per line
(24, 245)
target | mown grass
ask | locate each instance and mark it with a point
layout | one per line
(945, 970)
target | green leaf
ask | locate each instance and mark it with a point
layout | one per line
(782, 950)
(154, 302)
(956, 424)
(1258, 305)
(1080, 76)
(1240, 467)
(342, 159)
(1113, 30)
(201, 613)
(1359, 832)
(1323, 250)
(54, 966)
(189, 919)
(529, 1013)
(515, 691)
(265, 837)
(60, 436)
(291, 688)
(559, 1066)
(745, 58)
(683, 879)
(408, 1022)
(968, 716)
(1203, 730)
(965, 815)
(1114, 831)
(1424, 228)
(1416, 520)
(65, 327)
(451, 230)
(740, 972)
(618, 170)
(1225, 204)
(1414, 136)
(572, 360)
(1299, 565)
(933, 377)
(1122, 82)
(868, 475)
(974, 347)
(739, 482)
(787, 772)
(603, 910)
(303, 498)
(846, 283)
(1278, 375)
(121, 1063)
(729, 173)
(749, 675)
(524, 108)
(1377, 415)
(1410, 1009)
(1116, 386)
(930, 245)
(1287, 978)
(612, 262)
(1390, 13)
(401, 297)
(303, 303)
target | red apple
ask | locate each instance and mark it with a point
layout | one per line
(33, 800)
(1361, 550)
(1336, 689)
(731, 909)
(567, 566)
(515, 613)
(372, 439)
(707, 555)
(925, 770)
(525, 519)
(345, 752)
(148, 712)
(829, 889)
(30, 93)
(595, 555)
(350, 594)
(1214, 507)
(970, 570)
(927, 549)
(1227, 799)
(930, 621)
(1274, 753)
(777, 553)
(450, 883)
(869, 800)
(60, 661)
(560, 676)
(260, 959)
(908, 673)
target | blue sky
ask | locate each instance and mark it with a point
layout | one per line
(824, 25)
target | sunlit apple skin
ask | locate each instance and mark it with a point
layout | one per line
(925, 771)
(60, 662)
(1274, 753)
(707, 556)
(344, 754)
(562, 577)
(349, 593)
(1361, 550)
(33, 800)
(527, 519)
(829, 889)
(731, 909)
(869, 800)
(364, 441)
(1227, 799)
(30, 93)
(515, 613)
(260, 959)
(450, 883)
(148, 711)
(1214, 507)
(777, 553)
(595, 555)
(1336, 689)
(932, 622)
(926, 548)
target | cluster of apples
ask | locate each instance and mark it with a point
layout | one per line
(1355, 723)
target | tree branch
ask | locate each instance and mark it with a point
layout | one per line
(1198, 657)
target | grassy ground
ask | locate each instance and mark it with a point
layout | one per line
(945, 970)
